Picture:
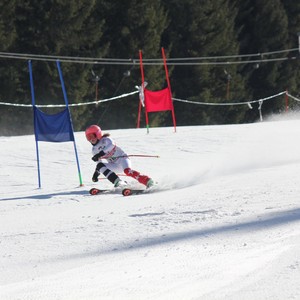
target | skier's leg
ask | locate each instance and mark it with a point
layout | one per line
(109, 174)
(143, 179)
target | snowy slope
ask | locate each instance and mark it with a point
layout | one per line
(225, 223)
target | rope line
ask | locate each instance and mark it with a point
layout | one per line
(170, 61)
(74, 104)
(174, 99)
(133, 62)
(229, 104)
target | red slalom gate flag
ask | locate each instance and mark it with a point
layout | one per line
(158, 100)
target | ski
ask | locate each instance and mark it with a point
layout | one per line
(129, 192)
(136, 191)
(125, 191)
(95, 191)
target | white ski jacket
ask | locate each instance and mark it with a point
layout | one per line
(111, 151)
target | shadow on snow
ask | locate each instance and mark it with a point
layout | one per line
(47, 196)
(265, 222)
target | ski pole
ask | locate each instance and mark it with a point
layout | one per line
(140, 155)
(132, 155)
(137, 155)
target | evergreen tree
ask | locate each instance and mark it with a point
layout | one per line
(8, 71)
(119, 29)
(264, 29)
(204, 29)
(291, 68)
(7, 25)
(57, 28)
(131, 26)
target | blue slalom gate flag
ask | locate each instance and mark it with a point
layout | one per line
(53, 128)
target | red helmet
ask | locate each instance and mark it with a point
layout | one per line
(92, 132)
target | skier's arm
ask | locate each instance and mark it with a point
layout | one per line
(98, 155)
(95, 176)
(107, 149)
(97, 171)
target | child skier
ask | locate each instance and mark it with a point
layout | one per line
(111, 159)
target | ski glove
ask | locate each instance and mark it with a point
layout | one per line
(97, 156)
(95, 176)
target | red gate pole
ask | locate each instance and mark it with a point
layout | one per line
(139, 115)
(143, 89)
(286, 101)
(169, 87)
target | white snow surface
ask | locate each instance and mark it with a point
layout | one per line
(224, 222)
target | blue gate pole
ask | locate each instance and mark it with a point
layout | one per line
(35, 134)
(67, 105)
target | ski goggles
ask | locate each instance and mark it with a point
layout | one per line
(91, 137)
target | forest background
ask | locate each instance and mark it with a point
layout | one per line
(228, 35)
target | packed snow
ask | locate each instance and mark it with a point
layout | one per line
(222, 223)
